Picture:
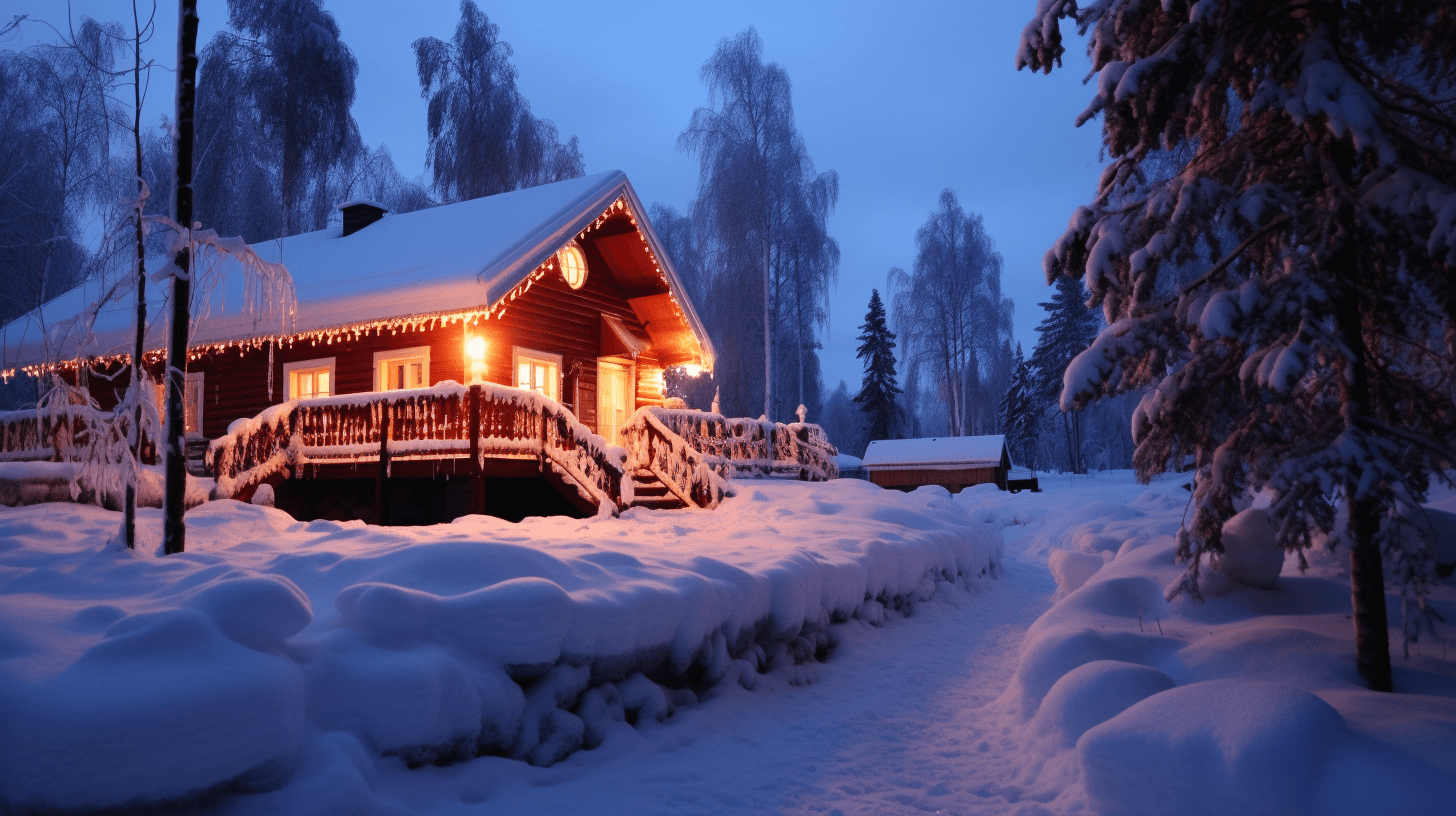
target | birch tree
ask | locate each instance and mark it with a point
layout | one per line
(951, 316)
(762, 208)
(483, 137)
(274, 117)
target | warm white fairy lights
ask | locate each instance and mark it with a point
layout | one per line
(471, 318)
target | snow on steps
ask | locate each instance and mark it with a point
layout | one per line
(128, 679)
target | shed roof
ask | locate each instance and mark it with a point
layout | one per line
(936, 452)
(433, 261)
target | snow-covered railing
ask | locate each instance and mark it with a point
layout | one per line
(434, 423)
(739, 446)
(56, 433)
(689, 475)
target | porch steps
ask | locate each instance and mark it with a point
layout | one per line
(196, 450)
(649, 491)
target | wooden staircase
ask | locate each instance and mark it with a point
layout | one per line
(649, 491)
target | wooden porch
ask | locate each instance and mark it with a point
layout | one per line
(475, 436)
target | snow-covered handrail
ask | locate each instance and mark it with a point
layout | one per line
(688, 474)
(56, 433)
(739, 446)
(429, 422)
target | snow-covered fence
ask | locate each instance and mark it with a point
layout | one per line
(421, 423)
(57, 433)
(740, 446)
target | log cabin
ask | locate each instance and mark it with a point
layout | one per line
(430, 363)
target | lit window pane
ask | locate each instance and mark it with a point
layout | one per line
(322, 384)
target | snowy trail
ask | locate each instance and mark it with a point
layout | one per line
(892, 723)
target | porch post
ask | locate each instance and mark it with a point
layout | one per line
(381, 481)
(477, 478)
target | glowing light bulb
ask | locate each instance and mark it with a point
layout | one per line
(475, 348)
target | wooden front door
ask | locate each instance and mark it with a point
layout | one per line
(614, 399)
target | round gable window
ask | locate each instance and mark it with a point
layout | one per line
(573, 265)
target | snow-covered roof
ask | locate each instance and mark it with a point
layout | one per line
(935, 453)
(440, 260)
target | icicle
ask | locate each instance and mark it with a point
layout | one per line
(270, 372)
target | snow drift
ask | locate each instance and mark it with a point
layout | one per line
(275, 652)
(1247, 703)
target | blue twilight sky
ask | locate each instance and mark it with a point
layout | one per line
(903, 100)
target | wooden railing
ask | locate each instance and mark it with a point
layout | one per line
(695, 479)
(56, 434)
(725, 447)
(446, 420)
(692, 453)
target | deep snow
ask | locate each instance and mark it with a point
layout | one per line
(1066, 685)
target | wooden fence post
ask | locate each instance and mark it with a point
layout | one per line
(477, 476)
(381, 481)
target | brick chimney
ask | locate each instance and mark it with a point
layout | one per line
(359, 214)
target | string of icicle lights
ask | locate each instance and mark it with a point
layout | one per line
(393, 325)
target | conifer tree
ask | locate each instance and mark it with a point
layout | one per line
(1020, 409)
(878, 391)
(1065, 332)
(1287, 284)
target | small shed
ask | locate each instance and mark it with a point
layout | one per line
(953, 462)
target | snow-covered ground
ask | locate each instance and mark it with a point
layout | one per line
(1064, 685)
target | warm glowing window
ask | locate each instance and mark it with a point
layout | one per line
(573, 265)
(402, 368)
(539, 372)
(309, 378)
(191, 403)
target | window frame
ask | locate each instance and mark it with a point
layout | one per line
(409, 353)
(201, 399)
(517, 352)
(316, 364)
(561, 254)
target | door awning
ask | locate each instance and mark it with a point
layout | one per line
(618, 339)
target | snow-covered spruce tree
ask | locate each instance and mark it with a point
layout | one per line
(1066, 331)
(878, 390)
(1020, 410)
(1290, 288)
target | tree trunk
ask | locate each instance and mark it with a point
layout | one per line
(767, 335)
(1367, 572)
(174, 531)
(1071, 448)
(129, 509)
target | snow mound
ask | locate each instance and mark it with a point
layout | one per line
(1094, 693)
(277, 653)
(1247, 702)
(165, 704)
(1218, 747)
(1250, 555)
